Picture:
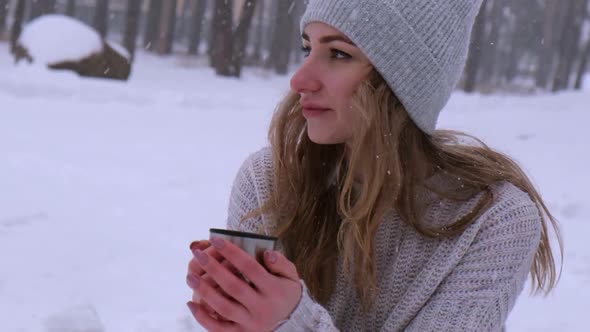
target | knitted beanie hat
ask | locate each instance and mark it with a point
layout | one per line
(418, 46)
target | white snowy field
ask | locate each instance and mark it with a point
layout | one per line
(105, 184)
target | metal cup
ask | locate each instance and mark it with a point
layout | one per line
(252, 243)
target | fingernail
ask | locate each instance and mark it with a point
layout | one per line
(194, 245)
(271, 256)
(201, 257)
(192, 307)
(193, 281)
(217, 242)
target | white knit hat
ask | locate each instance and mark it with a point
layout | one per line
(418, 46)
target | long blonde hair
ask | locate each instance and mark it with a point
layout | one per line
(320, 215)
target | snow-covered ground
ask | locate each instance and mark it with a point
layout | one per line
(104, 185)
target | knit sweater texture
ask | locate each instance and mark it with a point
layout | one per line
(468, 282)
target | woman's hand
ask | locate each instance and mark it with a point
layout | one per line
(195, 269)
(269, 299)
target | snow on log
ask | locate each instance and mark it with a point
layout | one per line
(62, 42)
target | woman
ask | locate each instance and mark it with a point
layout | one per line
(385, 224)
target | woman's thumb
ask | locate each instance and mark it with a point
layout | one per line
(279, 265)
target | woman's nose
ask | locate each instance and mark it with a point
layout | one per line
(305, 79)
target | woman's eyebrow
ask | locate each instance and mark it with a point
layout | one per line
(327, 39)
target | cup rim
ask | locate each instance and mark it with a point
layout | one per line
(241, 234)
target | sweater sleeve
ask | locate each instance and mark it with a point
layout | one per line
(243, 198)
(479, 293)
(308, 316)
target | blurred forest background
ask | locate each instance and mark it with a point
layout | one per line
(517, 46)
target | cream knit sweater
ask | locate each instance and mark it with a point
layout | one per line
(464, 283)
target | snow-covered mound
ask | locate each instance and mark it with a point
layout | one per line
(54, 38)
(119, 49)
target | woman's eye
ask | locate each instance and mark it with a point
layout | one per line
(334, 53)
(339, 54)
(306, 50)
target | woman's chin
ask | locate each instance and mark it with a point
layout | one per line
(318, 138)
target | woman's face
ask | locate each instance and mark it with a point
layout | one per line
(326, 81)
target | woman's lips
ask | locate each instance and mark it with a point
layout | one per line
(313, 112)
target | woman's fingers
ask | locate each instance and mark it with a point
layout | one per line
(221, 304)
(209, 322)
(206, 278)
(232, 284)
(279, 265)
(204, 304)
(197, 298)
(243, 262)
(201, 245)
(209, 280)
(195, 269)
(193, 265)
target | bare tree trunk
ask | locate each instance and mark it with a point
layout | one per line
(576, 50)
(282, 42)
(180, 29)
(17, 24)
(271, 26)
(475, 50)
(3, 13)
(492, 44)
(43, 7)
(165, 36)
(101, 16)
(240, 38)
(221, 37)
(570, 40)
(298, 11)
(198, 8)
(583, 66)
(584, 57)
(517, 41)
(132, 21)
(259, 34)
(548, 51)
(524, 40)
(153, 24)
(71, 8)
(513, 63)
